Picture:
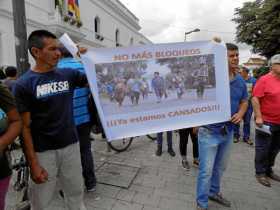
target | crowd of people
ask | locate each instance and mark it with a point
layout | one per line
(49, 107)
(138, 88)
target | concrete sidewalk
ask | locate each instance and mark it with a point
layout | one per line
(162, 184)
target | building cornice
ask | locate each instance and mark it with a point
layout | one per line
(127, 10)
(91, 43)
(56, 28)
(145, 38)
(114, 7)
(6, 13)
(29, 22)
(59, 27)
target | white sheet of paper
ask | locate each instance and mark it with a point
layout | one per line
(69, 44)
(264, 128)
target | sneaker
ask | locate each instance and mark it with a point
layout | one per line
(218, 198)
(159, 151)
(263, 179)
(236, 140)
(198, 207)
(274, 177)
(171, 152)
(185, 165)
(91, 189)
(196, 162)
(248, 141)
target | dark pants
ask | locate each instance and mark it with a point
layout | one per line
(4, 186)
(267, 148)
(184, 136)
(169, 139)
(246, 125)
(134, 97)
(86, 155)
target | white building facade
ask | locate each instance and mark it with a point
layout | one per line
(102, 23)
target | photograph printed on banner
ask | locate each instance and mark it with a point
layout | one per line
(145, 85)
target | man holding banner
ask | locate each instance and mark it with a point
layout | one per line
(215, 140)
(44, 98)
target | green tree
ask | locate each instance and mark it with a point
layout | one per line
(258, 25)
(107, 72)
(187, 66)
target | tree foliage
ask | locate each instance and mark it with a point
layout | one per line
(126, 70)
(258, 25)
(187, 68)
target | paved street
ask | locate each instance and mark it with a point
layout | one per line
(162, 184)
(189, 97)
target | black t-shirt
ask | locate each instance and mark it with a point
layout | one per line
(48, 98)
(6, 103)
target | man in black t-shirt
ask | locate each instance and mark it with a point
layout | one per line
(7, 136)
(44, 99)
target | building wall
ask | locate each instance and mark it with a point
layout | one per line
(43, 15)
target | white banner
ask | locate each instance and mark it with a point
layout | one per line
(154, 88)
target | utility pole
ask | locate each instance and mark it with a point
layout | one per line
(20, 35)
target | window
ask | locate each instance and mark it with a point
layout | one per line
(97, 25)
(117, 34)
(131, 41)
(97, 29)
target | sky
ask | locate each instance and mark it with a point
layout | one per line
(167, 20)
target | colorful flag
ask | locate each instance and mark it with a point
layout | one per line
(77, 10)
(71, 8)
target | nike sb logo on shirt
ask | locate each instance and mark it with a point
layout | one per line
(52, 88)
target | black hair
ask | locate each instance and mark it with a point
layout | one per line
(11, 71)
(2, 73)
(245, 69)
(231, 46)
(64, 52)
(35, 39)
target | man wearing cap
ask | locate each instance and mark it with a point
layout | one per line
(250, 83)
(266, 103)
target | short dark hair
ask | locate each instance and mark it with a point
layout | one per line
(11, 71)
(35, 39)
(231, 46)
(2, 73)
(245, 69)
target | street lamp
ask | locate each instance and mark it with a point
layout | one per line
(189, 32)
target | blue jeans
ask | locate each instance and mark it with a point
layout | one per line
(246, 124)
(169, 139)
(214, 151)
